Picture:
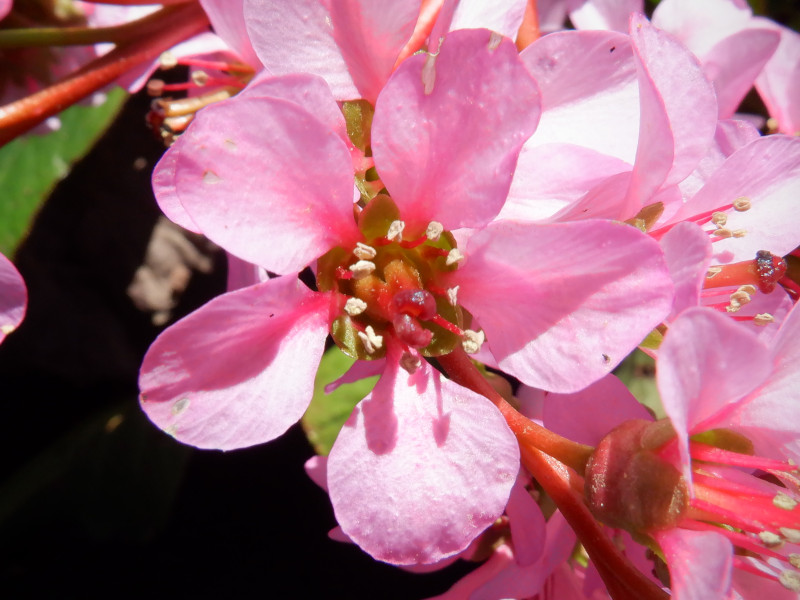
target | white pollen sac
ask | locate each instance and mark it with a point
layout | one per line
(410, 362)
(721, 232)
(429, 74)
(370, 339)
(395, 231)
(452, 295)
(719, 219)
(200, 78)
(790, 580)
(454, 256)
(211, 178)
(738, 299)
(783, 501)
(742, 204)
(763, 319)
(792, 535)
(769, 539)
(472, 341)
(6, 329)
(362, 268)
(355, 306)
(434, 230)
(167, 60)
(794, 559)
(739, 233)
(364, 252)
(748, 289)
(713, 271)
(494, 41)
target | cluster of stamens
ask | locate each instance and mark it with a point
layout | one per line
(393, 285)
(209, 82)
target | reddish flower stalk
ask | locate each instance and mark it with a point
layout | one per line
(546, 455)
(529, 30)
(171, 25)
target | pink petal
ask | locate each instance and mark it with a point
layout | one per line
(526, 522)
(370, 35)
(449, 154)
(266, 181)
(705, 363)
(297, 37)
(700, 563)
(502, 558)
(589, 415)
(13, 297)
(239, 370)
(502, 16)
(317, 470)
(227, 19)
(165, 190)
(604, 14)
(735, 62)
(421, 467)
(589, 90)
(678, 111)
(687, 249)
(779, 83)
(563, 304)
(767, 171)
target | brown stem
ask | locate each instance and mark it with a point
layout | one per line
(460, 369)
(622, 579)
(175, 24)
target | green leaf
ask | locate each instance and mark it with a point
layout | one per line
(32, 165)
(328, 412)
(637, 372)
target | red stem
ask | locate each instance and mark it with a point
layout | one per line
(174, 25)
(529, 31)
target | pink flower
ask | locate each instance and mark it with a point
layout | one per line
(13, 297)
(273, 184)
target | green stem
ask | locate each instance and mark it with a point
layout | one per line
(460, 369)
(172, 25)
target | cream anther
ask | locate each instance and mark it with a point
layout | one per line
(738, 299)
(6, 329)
(410, 362)
(747, 289)
(769, 539)
(362, 268)
(739, 233)
(364, 252)
(370, 340)
(783, 501)
(795, 560)
(199, 78)
(455, 255)
(741, 204)
(473, 340)
(792, 535)
(452, 295)
(722, 232)
(155, 87)
(790, 580)
(719, 219)
(434, 230)
(167, 60)
(712, 271)
(763, 319)
(395, 231)
(355, 306)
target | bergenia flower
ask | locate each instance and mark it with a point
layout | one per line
(13, 297)
(274, 185)
(732, 414)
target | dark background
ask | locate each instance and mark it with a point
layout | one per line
(94, 500)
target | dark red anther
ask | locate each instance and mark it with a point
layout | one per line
(409, 330)
(417, 303)
(770, 269)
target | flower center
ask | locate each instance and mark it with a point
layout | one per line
(390, 284)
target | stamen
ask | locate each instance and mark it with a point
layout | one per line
(410, 362)
(769, 539)
(719, 219)
(792, 535)
(364, 252)
(362, 268)
(739, 233)
(167, 60)
(200, 78)
(395, 230)
(708, 453)
(783, 501)
(444, 323)
(739, 298)
(355, 306)
(155, 87)
(473, 340)
(452, 295)
(722, 233)
(741, 204)
(763, 319)
(434, 230)
(454, 256)
(794, 559)
(790, 580)
(370, 340)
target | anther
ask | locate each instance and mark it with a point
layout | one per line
(794, 559)
(741, 204)
(200, 78)
(395, 230)
(769, 539)
(719, 219)
(739, 233)
(155, 87)
(355, 306)
(434, 230)
(167, 60)
(783, 501)
(370, 340)
(738, 299)
(410, 362)
(713, 271)
(362, 268)
(473, 340)
(364, 252)
(722, 233)
(790, 580)
(792, 535)
(763, 319)
(454, 256)
(452, 295)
